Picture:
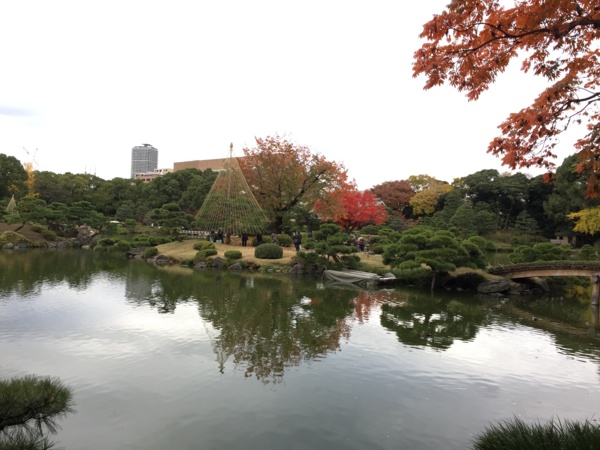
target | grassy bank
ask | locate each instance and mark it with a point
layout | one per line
(185, 250)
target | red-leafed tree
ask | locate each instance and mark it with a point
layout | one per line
(395, 194)
(471, 42)
(358, 209)
(283, 175)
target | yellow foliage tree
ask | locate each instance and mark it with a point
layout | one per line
(425, 200)
(587, 220)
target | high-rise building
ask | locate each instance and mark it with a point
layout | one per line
(144, 159)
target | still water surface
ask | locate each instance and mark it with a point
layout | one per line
(168, 358)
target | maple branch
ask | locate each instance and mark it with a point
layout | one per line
(506, 35)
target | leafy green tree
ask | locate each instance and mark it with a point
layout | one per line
(170, 215)
(187, 188)
(505, 194)
(80, 213)
(33, 210)
(539, 191)
(430, 252)
(331, 242)
(526, 223)
(197, 189)
(465, 220)
(485, 220)
(568, 196)
(451, 202)
(545, 251)
(12, 177)
(126, 211)
(50, 189)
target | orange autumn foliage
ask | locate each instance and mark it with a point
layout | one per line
(472, 41)
(283, 175)
(357, 209)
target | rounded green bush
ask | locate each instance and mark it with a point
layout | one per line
(203, 245)
(49, 235)
(285, 240)
(268, 251)
(378, 249)
(233, 254)
(206, 253)
(150, 252)
(37, 228)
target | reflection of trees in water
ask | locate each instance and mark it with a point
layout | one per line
(25, 272)
(423, 320)
(276, 324)
(569, 320)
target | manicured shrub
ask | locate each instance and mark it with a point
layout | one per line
(120, 246)
(37, 228)
(203, 254)
(49, 235)
(268, 251)
(141, 243)
(150, 252)
(203, 245)
(233, 254)
(378, 249)
(285, 240)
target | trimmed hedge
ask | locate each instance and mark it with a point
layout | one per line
(202, 254)
(233, 254)
(150, 252)
(268, 251)
(203, 245)
(285, 240)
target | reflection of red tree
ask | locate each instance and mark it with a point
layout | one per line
(367, 300)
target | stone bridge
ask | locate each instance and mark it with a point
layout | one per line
(554, 269)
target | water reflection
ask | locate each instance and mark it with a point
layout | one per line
(432, 321)
(266, 324)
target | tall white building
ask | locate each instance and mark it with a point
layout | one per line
(144, 159)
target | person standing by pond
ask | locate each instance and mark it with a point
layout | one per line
(297, 240)
(259, 239)
(244, 239)
(274, 239)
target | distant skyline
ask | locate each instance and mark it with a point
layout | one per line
(85, 82)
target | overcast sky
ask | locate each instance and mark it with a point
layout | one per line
(83, 82)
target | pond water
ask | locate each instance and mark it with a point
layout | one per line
(169, 358)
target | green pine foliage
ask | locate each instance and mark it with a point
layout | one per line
(30, 408)
(545, 251)
(425, 252)
(554, 435)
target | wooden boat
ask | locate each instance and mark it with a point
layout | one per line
(356, 276)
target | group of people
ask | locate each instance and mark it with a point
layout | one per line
(296, 239)
(216, 237)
